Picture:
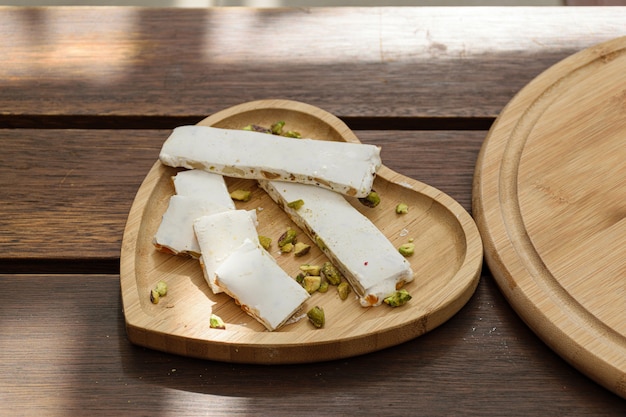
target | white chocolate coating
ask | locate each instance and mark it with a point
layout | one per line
(176, 229)
(219, 235)
(199, 183)
(263, 289)
(347, 168)
(365, 256)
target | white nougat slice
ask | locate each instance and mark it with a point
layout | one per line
(198, 193)
(365, 256)
(347, 168)
(199, 183)
(175, 233)
(219, 235)
(252, 277)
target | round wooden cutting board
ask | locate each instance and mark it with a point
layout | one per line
(550, 201)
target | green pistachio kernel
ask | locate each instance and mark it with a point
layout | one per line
(301, 249)
(407, 249)
(310, 269)
(331, 273)
(287, 247)
(343, 289)
(292, 134)
(316, 316)
(311, 283)
(320, 243)
(154, 296)
(257, 128)
(296, 204)
(161, 288)
(402, 208)
(265, 242)
(216, 322)
(398, 298)
(288, 237)
(240, 195)
(277, 128)
(371, 200)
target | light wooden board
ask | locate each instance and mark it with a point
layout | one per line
(550, 202)
(447, 265)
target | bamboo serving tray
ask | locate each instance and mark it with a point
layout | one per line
(550, 202)
(447, 265)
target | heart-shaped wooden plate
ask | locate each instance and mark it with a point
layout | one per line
(447, 264)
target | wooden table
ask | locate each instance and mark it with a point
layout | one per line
(87, 96)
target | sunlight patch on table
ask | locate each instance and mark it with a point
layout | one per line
(100, 53)
(385, 35)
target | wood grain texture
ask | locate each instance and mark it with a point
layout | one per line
(78, 184)
(549, 196)
(362, 62)
(64, 352)
(446, 264)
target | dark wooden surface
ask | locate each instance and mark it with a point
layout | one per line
(87, 96)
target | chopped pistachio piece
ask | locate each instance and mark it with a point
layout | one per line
(343, 289)
(371, 200)
(216, 322)
(154, 296)
(331, 273)
(300, 277)
(287, 247)
(265, 242)
(240, 195)
(323, 286)
(397, 299)
(316, 316)
(301, 249)
(257, 128)
(320, 243)
(402, 208)
(161, 288)
(407, 249)
(310, 269)
(288, 237)
(311, 283)
(295, 204)
(277, 128)
(292, 134)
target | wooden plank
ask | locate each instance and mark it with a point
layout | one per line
(80, 184)
(353, 62)
(66, 194)
(64, 351)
